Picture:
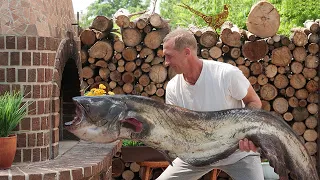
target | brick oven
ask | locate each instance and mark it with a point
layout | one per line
(39, 56)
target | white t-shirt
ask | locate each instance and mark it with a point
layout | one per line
(220, 86)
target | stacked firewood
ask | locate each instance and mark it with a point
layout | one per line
(132, 63)
(281, 69)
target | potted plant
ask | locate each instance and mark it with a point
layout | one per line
(12, 111)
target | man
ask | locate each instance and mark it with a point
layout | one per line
(204, 85)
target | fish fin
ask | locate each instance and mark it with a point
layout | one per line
(166, 156)
(275, 151)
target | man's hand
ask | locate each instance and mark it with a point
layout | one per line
(246, 145)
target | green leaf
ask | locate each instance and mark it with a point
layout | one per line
(12, 111)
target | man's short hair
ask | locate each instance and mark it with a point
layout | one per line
(182, 39)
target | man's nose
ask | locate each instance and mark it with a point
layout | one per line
(166, 62)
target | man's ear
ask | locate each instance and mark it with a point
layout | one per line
(187, 51)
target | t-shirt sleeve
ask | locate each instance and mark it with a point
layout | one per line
(171, 96)
(238, 84)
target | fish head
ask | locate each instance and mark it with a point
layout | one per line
(103, 119)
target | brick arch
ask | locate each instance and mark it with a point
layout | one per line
(67, 50)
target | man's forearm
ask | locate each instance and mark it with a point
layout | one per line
(253, 105)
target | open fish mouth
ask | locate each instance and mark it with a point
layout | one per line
(77, 118)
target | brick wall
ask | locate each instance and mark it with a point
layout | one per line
(34, 65)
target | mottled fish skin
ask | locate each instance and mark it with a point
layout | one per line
(199, 138)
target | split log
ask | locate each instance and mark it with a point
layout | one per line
(131, 36)
(256, 68)
(147, 54)
(158, 73)
(262, 79)
(280, 105)
(144, 80)
(102, 64)
(112, 84)
(300, 114)
(313, 48)
(127, 175)
(240, 60)
(118, 46)
(271, 71)
(312, 26)
(296, 67)
(141, 23)
(104, 73)
(129, 53)
(122, 18)
(311, 122)
(285, 41)
(248, 35)
(157, 21)
(303, 103)
(311, 147)
(225, 48)
(281, 81)
(230, 38)
(299, 38)
(150, 89)
(88, 37)
(102, 23)
(268, 92)
(313, 38)
(134, 167)
(154, 39)
(301, 94)
(117, 167)
(137, 73)
(310, 135)
(287, 116)
(204, 53)
(263, 19)
(312, 108)
(157, 60)
(311, 61)
(146, 67)
(245, 70)
(281, 56)
(127, 77)
(290, 91)
(208, 38)
(299, 54)
(130, 66)
(127, 88)
(297, 81)
(84, 55)
(313, 98)
(266, 105)
(293, 102)
(101, 49)
(312, 86)
(235, 53)
(87, 72)
(115, 76)
(299, 128)
(255, 50)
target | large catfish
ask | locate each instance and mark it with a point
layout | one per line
(198, 138)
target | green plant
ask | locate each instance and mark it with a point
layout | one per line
(12, 111)
(127, 142)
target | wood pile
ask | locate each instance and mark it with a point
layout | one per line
(130, 63)
(282, 70)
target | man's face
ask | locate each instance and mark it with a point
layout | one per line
(174, 58)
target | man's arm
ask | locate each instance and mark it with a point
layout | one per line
(251, 100)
